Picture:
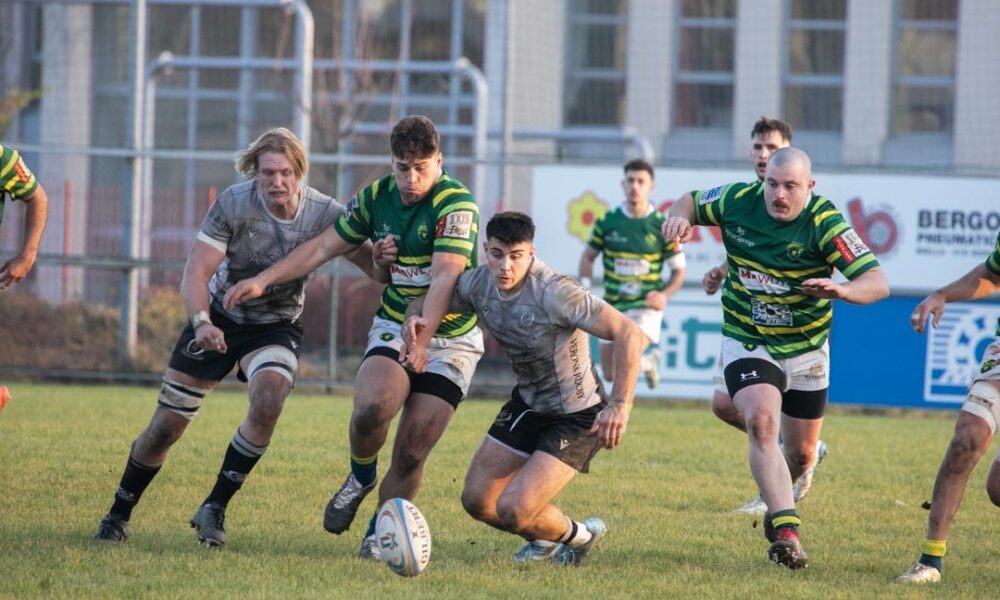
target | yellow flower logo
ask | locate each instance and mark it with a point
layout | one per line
(583, 213)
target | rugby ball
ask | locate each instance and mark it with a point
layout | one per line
(404, 540)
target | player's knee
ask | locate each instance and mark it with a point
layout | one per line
(368, 419)
(762, 426)
(161, 435)
(800, 456)
(406, 463)
(475, 505)
(512, 518)
(267, 400)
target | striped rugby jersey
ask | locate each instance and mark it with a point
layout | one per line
(768, 260)
(16, 180)
(446, 221)
(634, 254)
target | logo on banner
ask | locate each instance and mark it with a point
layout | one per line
(879, 228)
(955, 349)
(583, 213)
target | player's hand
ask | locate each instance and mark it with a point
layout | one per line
(385, 252)
(656, 300)
(210, 338)
(677, 228)
(712, 280)
(243, 291)
(822, 287)
(610, 424)
(931, 306)
(15, 269)
(412, 354)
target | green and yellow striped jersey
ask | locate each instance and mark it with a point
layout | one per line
(993, 266)
(762, 301)
(446, 221)
(634, 254)
(16, 180)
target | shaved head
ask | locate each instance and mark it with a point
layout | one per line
(792, 157)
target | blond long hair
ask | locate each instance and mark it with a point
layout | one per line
(280, 140)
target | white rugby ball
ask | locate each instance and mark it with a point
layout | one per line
(404, 539)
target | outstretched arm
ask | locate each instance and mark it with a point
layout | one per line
(680, 219)
(36, 214)
(866, 288)
(977, 283)
(300, 262)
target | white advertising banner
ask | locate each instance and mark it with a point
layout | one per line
(925, 230)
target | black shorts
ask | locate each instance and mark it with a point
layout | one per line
(191, 359)
(564, 436)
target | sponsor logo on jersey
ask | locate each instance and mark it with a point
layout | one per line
(770, 315)
(762, 282)
(850, 246)
(407, 276)
(455, 225)
(794, 250)
(22, 170)
(631, 267)
(739, 235)
(711, 195)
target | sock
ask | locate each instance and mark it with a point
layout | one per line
(932, 553)
(135, 479)
(786, 519)
(364, 469)
(576, 534)
(241, 456)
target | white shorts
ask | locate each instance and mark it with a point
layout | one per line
(989, 371)
(807, 372)
(649, 321)
(453, 358)
(719, 377)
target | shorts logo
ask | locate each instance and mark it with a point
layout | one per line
(850, 246)
(563, 442)
(988, 365)
(193, 351)
(747, 347)
(503, 418)
(458, 362)
(817, 371)
(794, 250)
(386, 337)
(749, 376)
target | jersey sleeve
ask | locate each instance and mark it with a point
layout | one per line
(457, 222)
(840, 244)
(710, 204)
(355, 223)
(993, 260)
(571, 305)
(596, 241)
(217, 227)
(15, 177)
(461, 298)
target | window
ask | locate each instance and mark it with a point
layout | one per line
(703, 86)
(595, 72)
(814, 65)
(924, 77)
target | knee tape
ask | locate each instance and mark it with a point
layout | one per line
(983, 401)
(185, 400)
(276, 358)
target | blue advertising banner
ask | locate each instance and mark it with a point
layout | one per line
(878, 360)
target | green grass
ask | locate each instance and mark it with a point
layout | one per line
(666, 496)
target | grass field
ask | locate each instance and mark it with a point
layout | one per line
(666, 496)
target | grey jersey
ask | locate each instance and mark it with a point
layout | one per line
(539, 329)
(253, 239)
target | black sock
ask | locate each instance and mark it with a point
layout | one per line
(135, 479)
(241, 456)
